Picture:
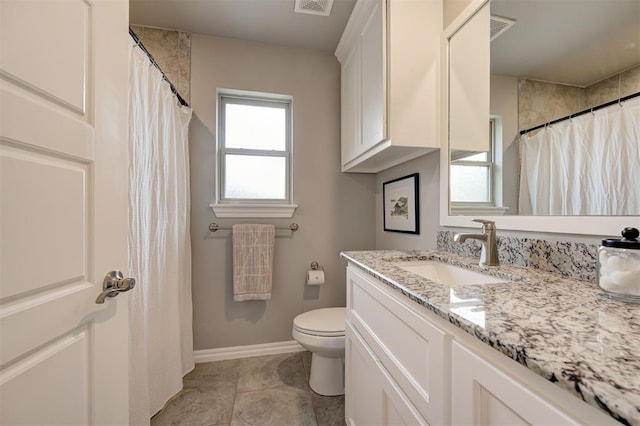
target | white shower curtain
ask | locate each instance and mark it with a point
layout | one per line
(159, 243)
(589, 165)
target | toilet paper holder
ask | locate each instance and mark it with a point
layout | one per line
(315, 276)
(316, 267)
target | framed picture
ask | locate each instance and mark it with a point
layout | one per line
(401, 205)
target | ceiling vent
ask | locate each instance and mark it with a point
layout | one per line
(314, 7)
(500, 24)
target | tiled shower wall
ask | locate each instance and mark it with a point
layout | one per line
(172, 51)
(540, 102)
(571, 259)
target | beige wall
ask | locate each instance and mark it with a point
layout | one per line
(451, 10)
(428, 167)
(336, 211)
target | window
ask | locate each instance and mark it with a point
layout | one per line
(254, 150)
(472, 174)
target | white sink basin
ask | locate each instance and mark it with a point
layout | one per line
(444, 273)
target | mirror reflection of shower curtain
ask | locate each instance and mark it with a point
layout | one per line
(161, 338)
(588, 165)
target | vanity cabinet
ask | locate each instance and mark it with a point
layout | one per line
(486, 396)
(380, 400)
(389, 55)
(406, 365)
(407, 350)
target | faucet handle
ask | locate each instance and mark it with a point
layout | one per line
(487, 225)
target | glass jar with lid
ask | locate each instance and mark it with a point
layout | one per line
(619, 266)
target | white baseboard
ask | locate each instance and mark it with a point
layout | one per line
(237, 352)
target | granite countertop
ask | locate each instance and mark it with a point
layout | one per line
(563, 329)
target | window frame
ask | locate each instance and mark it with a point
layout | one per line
(226, 97)
(490, 163)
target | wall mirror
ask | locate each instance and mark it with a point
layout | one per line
(513, 65)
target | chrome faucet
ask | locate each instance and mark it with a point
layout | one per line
(489, 253)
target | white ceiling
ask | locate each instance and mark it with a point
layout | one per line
(266, 21)
(577, 42)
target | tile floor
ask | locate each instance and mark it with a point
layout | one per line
(262, 391)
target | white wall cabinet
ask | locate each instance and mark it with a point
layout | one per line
(469, 95)
(372, 75)
(350, 98)
(406, 365)
(389, 53)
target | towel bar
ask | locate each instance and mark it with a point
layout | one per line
(213, 227)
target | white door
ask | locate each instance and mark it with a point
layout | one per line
(63, 211)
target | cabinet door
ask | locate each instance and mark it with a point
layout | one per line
(469, 75)
(484, 395)
(396, 407)
(410, 348)
(372, 396)
(362, 384)
(350, 112)
(372, 40)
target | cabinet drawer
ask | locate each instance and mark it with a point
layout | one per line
(409, 347)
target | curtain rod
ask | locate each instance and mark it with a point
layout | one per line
(595, 108)
(135, 38)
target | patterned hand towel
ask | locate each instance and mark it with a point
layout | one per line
(252, 261)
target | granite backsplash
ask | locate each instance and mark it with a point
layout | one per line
(570, 259)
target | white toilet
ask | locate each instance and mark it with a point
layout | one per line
(322, 333)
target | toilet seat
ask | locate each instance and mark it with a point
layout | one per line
(328, 322)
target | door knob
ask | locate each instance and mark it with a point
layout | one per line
(113, 284)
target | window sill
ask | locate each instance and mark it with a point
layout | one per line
(478, 210)
(253, 210)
